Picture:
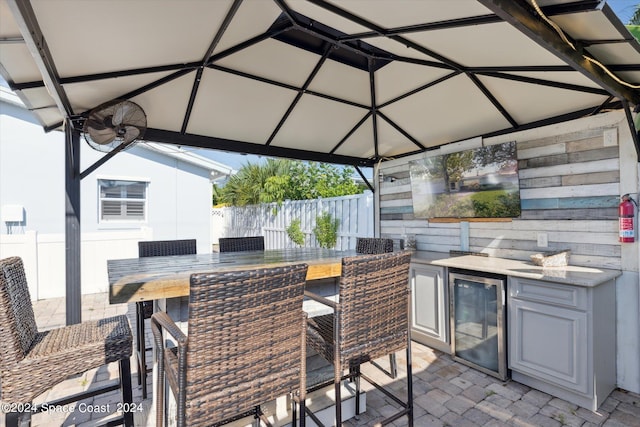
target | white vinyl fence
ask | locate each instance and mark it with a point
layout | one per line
(271, 220)
(43, 256)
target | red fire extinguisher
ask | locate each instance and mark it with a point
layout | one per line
(626, 213)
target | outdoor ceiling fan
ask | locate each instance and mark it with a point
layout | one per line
(114, 123)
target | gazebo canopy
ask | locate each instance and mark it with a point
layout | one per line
(350, 81)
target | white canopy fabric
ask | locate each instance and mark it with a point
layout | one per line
(349, 81)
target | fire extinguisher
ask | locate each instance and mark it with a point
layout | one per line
(626, 213)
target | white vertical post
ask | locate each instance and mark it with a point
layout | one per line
(31, 262)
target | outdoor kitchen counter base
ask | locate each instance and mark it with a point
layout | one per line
(569, 275)
(561, 323)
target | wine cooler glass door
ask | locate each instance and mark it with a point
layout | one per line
(477, 322)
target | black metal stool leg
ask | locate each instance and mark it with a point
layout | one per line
(141, 347)
(127, 395)
(393, 365)
(139, 320)
(338, 404)
(294, 410)
(12, 419)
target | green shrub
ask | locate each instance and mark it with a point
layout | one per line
(326, 230)
(295, 233)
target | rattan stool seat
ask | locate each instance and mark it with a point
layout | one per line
(370, 320)
(32, 362)
(71, 349)
(246, 346)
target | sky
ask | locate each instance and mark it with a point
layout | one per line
(623, 8)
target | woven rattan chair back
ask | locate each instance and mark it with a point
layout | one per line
(377, 245)
(166, 247)
(18, 322)
(246, 341)
(144, 309)
(374, 306)
(241, 244)
(371, 320)
(373, 245)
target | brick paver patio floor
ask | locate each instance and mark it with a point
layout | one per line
(446, 393)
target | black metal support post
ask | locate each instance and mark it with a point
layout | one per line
(72, 225)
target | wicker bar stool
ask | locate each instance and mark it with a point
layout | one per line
(241, 244)
(32, 362)
(379, 245)
(144, 309)
(246, 346)
(370, 320)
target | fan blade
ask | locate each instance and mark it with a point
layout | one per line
(102, 136)
(131, 133)
(120, 112)
(95, 123)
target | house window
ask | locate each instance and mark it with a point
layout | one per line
(122, 200)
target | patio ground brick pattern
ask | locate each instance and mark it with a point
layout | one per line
(446, 393)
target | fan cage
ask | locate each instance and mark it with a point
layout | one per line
(118, 122)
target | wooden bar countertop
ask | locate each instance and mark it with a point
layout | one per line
(151, 278)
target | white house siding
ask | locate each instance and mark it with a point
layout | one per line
(178, 194)
(32, 176)
(571, 180)
(25, 180)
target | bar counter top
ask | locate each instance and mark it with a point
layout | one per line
(570, 275)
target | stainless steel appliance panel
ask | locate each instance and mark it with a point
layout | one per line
(477, 316)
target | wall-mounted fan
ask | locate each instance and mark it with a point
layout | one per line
(114, 123)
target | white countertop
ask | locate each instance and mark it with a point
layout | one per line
(571, 275)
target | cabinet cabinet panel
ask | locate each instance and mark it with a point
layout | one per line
(549, 343)
(429, 308)
(551, 293)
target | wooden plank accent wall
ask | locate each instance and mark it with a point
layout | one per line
(551, 189)
(569, 189)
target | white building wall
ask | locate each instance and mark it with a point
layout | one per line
(32, 176)
(36, 181)
(178, 194)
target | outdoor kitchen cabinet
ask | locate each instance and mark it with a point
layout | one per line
(429, 306)
(562, 339)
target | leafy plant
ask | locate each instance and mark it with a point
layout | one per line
(326, 230)
(277, 180)
(295, 233)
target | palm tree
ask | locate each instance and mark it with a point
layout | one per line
(277, 180)
(246, 187)
(635, 19)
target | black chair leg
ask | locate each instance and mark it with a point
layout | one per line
(139, 326)
(393, 366)
(357, 381)
(303, 413)
(12, 419)
(127, 395)
(294, 411)
(409, 385)
(338, 404)
(141, 348)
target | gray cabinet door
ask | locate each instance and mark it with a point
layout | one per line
(549, 343)
(429, 316)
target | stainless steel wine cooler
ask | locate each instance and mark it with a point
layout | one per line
(477, 316)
